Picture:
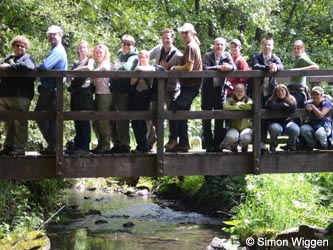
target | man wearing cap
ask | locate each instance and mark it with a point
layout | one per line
(319, 126)
(213, 93)
(189, 89)
(56, 59)
(241, 64)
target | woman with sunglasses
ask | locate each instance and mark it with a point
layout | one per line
(127, 61)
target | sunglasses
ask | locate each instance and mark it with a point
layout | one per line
(19, 46)
(126, 44)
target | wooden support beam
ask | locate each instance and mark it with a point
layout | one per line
(160, 127)
(59, 128)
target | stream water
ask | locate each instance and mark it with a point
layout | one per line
(130, 223)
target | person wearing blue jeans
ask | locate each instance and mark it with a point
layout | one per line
(56, 59)
(319, 126)
(282, 100)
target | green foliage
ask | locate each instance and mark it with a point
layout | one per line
(276, 202)
(225, 190)
(192, 184)
(25, 205)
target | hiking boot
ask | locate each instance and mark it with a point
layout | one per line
(181, 148)
(100, 151)
(17, 152)
(170, 146)
(80, 152)
(120, 149)
(48, 151)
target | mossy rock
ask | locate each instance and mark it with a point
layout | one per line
(35, 240)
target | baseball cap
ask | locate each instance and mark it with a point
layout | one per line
(54, 29)
(318, 90)
(187, 27)
(237, 42)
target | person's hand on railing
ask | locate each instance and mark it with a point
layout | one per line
(4, 65)
(273, 68)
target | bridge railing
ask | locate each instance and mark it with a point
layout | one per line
(161, 114)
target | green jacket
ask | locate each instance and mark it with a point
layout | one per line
(128, 63)
(300, 62)
(245, 104)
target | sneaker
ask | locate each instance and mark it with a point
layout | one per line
(170, 146)
(288, 148)
(263, 147)
(48, 151)
(234, 149)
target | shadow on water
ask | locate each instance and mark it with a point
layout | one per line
(130, 223)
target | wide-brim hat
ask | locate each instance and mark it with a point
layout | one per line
(187, 27)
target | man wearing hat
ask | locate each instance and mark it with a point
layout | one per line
(189, 89)
(241, 64)
(56, 59)
(319, 126)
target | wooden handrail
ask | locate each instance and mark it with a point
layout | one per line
(161, 115)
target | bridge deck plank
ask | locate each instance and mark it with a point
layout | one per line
(193, 163)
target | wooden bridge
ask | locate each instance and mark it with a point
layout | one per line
(161, 163)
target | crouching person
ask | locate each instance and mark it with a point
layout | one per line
(239, 131)
(319, 127)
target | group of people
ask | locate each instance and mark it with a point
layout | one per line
(314, 132)
(139, 94)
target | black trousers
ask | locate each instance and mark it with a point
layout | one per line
(140, 101)
(178, 128)
(212, 99)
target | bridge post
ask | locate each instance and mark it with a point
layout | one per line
(160, 127)
(256, 94)
(60, 128)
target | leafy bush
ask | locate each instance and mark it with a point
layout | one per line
(276, 202)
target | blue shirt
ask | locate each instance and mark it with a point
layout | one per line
(55, 60)
(318, 120)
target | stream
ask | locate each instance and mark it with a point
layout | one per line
(114, 221)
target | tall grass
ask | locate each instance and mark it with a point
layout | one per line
(277, 202)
